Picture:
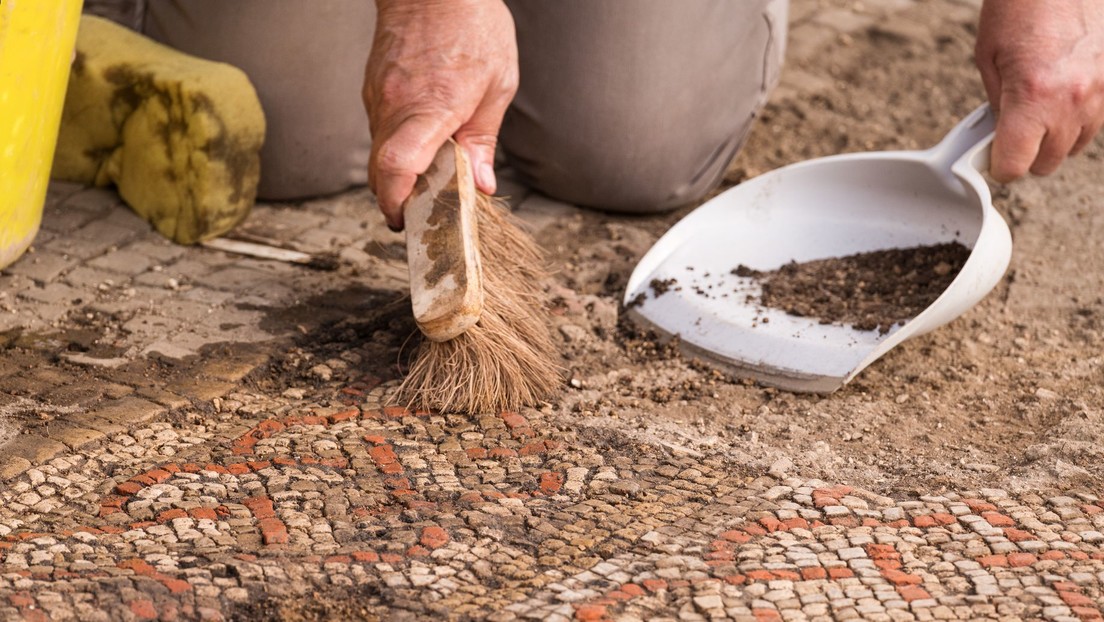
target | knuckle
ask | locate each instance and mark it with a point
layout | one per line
(433, 101)
(1036, 85)
(367, 94)
(508, 83)
(1078, 90)
(391, 88)
(480, 140)
(397, 93)
(392, 161)
(1081, 91)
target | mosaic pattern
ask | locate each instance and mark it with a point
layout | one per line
(506, 517)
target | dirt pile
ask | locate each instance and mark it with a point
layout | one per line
(869, 291)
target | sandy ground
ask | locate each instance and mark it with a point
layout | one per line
(1006, 396)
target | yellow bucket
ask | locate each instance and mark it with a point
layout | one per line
(36, 50)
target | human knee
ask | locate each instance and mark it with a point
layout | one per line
(610, 182)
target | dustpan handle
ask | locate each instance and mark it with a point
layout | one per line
(973, 131)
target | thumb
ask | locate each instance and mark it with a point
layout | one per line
(399, 157)
(478, 137)
(481, 150)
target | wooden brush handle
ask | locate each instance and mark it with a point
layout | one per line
(442, 250)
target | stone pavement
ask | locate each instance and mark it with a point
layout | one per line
(505, 517)
(190, 434)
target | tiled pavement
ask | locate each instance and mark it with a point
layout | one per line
(151, 471)
(510, 517)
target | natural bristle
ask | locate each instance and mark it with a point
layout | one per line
(507, 360)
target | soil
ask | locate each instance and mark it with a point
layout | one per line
(1008, 396)
(339, 604)
(869, 291)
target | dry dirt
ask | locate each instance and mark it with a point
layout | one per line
(868, 291)
(1006, 396)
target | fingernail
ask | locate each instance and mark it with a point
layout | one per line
(394, 228)
(486, 177)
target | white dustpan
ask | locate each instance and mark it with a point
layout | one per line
(828, 207)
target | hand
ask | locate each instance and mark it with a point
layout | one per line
(1042, 62)
(438, 68)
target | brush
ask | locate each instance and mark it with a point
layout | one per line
(475, 288)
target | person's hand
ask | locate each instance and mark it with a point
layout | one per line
(1042, 62)
(438, 68)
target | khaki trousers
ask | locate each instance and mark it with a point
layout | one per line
(625, 105)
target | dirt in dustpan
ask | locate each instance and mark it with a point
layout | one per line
(869, 291)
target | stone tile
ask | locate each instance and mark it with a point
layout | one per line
(97, 201)
(158, 249)
(88, 278)
(125, 218)
(128, 411)
(175, 348)
(12, 466)
(185, 270)
(73, 437)
(201, 389)
(59, 219)
(59, 191)
(42, 266)
(88, 420)
(126, 262)
(37, 449)
(168, 399)
(37, 316)
(98, 237)
(53, 293)
(73, 394)
(152, 324)
(234, 367)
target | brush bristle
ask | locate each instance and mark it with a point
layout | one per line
(507, 360)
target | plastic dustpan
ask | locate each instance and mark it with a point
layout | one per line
(828, 207)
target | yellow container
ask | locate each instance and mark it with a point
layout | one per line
(36, 50)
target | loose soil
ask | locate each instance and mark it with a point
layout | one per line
(869, 291)
(1008, 396)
